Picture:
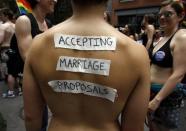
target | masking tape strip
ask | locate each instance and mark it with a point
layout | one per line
(84, 42)
(83, 65)
(87, 88)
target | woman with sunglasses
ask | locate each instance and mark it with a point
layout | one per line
(167, 68)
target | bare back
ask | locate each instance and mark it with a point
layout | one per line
(9, 30)
(84, 112)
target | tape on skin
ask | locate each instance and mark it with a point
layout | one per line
(84, 42)
(87, 88)
(84, 65)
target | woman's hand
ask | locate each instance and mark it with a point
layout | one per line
(154, 104)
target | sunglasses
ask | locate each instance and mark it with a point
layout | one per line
(166, 14)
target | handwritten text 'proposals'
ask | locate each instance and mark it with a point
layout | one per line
(84, 65)
(85, 42)
(86, 88)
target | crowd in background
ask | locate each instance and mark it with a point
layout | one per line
(150, 35)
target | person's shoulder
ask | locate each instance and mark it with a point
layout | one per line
(42, 41)
(41, 47)
(137, 51)
(180, 36)
(23, 25)
(37, 45)
(136, 54)
(2, 26)
(23, 19)
(134, 51)
(126, 42)
(5, 24)
(181, 33)
(39, 39)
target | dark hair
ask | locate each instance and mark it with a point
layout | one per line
(150, 18)
(88, 2)
(176, 5)
(8, 13)
(131, 29)
(183, 24)
(33, 3)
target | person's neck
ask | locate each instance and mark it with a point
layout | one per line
(170, 32)
(88, 13)
(39, 14)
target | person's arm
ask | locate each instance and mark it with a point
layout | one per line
(33, 98)
(23, 35)
(150, 33)
(179, 69)
(133, 116)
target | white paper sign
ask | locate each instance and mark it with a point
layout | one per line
(87, 88)
(84, 42)
(84, 65)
